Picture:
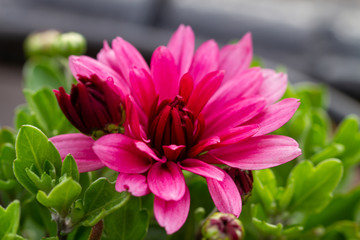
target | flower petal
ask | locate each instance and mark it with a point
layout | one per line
(273, 86)
(127, 56)
(237, 57)
(237, 134)
(257, 152)
(87, 66)
(275, 115)
(107, 56)
(206, 59)
(203, 91)
(172, 152)
(165, 73)
(80, 147)
(172, 214)
(232, 115)
(120, 153)
(166, 181)
(142, 89)
(182, 45)
(225, 195)
(136, 184)
(202, 168)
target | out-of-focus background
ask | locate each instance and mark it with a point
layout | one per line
(316, 40)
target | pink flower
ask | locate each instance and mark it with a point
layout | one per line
(189, 111)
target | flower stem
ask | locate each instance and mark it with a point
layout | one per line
(96, 231)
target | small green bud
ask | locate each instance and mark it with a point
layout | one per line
(41, 43)
(70, 43)
(224, 226)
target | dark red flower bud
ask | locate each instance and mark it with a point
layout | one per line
(243, 180)
(94, 106)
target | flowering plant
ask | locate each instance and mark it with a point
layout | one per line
(123, 143)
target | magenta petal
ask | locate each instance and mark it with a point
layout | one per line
(107, 57)
(173, 151)
(127, 56)
(203, 146)
(202, 168)
(258, 152)
(273, 86)
(182, 45)
(274, 116)
(165, 73)
(206, 59)
(166, 181)
(237, 134)
(87, 66)
(225, 195)
(204, 90)
(237, 57)
(136, 184)
(142, 89)
(80, 147)
(233, 114)
(120, 153)
(172, 214)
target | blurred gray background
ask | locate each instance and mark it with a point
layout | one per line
(317, 40)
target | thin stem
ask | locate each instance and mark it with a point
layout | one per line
(96, 231)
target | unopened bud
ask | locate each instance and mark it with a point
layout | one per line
(223, 226)
(243, 180)
(94, 106)
(70, 43)
(41, 43)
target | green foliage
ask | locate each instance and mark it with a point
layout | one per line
(9, 220)
(42, 104)
(313, 186)
(128, 222)
(61, 197)
(100, 199)
(37, 160)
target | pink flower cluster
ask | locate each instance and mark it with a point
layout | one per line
(190, 110)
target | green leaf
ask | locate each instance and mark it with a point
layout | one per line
(33, 150)
(42, 72)
(266, 188)
(128, 222)
(342, 207)
(259, 220)
(61, 196)
(9, 219)
(7, 156)
(23, 116)
(44, 183)
(331, 151)
(342, 230)
(101, 199)
(69, 168)
(313, 186)
(47, 111)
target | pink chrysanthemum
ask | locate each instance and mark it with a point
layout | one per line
(188, 111)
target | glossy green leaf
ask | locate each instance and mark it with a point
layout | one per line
(61, 196)
(101, 199)
(9, 219)
(128, 222)
(69, 168)
(33, 150)
(313, 186)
